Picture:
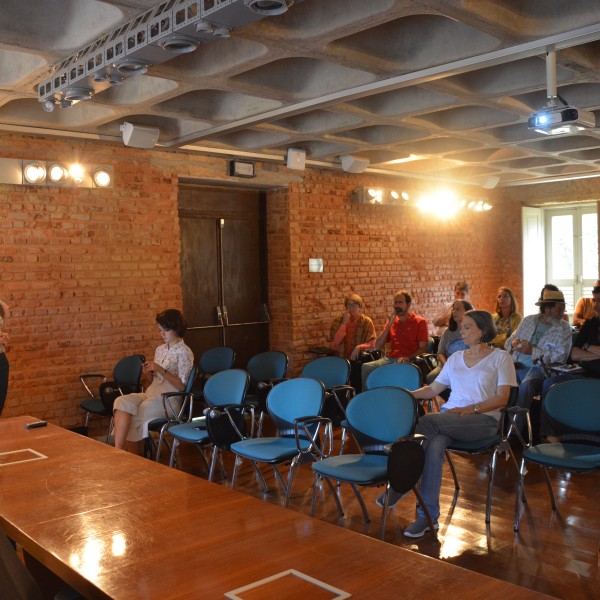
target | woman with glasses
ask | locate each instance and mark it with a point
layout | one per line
(169, 370)
(351, 333)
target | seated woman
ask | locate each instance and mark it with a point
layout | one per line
(451, 339)
(506, 316)
(351, 333)
(170, 368)
(480, 379)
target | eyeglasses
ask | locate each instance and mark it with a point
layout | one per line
(352, 305)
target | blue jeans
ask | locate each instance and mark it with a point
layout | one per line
(441, 429)
(530, 384)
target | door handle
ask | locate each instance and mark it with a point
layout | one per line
(219, 315)
(225, 316)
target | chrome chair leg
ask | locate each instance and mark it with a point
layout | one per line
(550, 489)
(173, 449)
(361, 502)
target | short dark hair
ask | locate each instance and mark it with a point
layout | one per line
(462, 285)
(172, 320)
(452, 324)
(484, 321)
(405, 294)
(596, 290)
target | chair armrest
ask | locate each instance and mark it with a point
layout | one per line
(270, 383)
(319, 423)
(174, 414)
(413, 437)
(228, 409)
(84, 379)
(512, 413)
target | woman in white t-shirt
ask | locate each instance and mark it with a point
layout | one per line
(480, 379)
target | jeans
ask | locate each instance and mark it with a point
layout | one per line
(369, 367)
(530, 384)
(441, 429)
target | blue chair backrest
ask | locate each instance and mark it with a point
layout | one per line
(129, 369)
(189, 384)
(217, 359)
(404, 375)
(302, 397)
(575, 403)
(226, 387)
(384, 414)
(330, 370)
(268, 365)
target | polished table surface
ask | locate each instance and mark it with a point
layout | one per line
(115, 525)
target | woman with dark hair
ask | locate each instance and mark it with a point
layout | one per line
(170, 369)
(451, 340)
(506, 316)
(480, 379)
(4, 337)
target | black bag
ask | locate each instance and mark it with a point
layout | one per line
(110, 391)
(425, 363)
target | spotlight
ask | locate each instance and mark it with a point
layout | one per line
(34, 172)
(179, 44)
(268, 8)
(73, 94)
(77, 173)
(57, 173)
(222, 32)
(132, 66)
(48, 106)
(204, 27)
(114, 79)
(102, 177)
(99, 77)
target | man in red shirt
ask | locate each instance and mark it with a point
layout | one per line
(405, 332)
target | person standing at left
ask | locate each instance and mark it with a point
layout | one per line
(4, 337)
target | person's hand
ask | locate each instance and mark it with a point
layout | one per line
(393, 316)
(356, 353)
(152, 367)
(403, 359)
(461, 410)
(345, 318)
(4, 337)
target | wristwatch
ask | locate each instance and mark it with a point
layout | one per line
(476, 408)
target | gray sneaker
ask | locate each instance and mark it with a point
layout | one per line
(395, 497)
(419, 528)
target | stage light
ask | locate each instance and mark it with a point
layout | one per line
(77, 173)
(34, 172)
(57, 173)
(268, 7)
(102, 177)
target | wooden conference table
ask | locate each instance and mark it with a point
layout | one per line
(114, 525)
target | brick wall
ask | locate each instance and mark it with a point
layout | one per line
(86, 270)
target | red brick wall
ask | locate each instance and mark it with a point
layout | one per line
(85, 271)
(375, 250)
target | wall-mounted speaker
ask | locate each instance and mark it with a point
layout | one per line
(296, 159)
(353, 164)
(139, 137)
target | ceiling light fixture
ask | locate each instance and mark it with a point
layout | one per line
(204, 27)
(222, 32)
(34, 172)
(74, 94)
(268, 7)
(48, 105)
(179, 44)
(131, 66)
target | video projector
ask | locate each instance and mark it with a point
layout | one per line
(561, 119)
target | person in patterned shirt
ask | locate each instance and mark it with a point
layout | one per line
(170, 370)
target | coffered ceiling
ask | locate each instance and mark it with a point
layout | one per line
(425, 88)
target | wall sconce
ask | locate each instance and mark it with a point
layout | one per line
(103, 177)
(372, 195)
(57, 174)
(15, 171)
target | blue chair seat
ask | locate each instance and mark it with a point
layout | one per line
(362, 469)
(476, 445)
(268, 450)
(189, 432)
(579, 457)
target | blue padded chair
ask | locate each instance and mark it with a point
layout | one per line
(574, 404)
(495, 444)
(404, 375)
(294, 406)
(266, 369)
(333, 372)
(222, 389)
(125, 380)
(175, 405)
(376, 417)
(214, 360)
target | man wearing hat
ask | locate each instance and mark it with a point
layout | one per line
(540, 341)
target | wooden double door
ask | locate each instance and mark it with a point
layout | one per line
(224, 269)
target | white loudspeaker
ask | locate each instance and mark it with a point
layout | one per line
(296, 159)
(139, 137)
(353, 164)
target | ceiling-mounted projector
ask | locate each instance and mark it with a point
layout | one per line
(556, 120)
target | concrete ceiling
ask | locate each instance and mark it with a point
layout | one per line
(425, 88)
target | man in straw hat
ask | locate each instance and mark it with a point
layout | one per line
(540, 341)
